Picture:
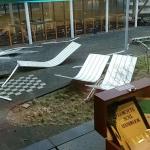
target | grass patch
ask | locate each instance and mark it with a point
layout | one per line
(145, 105)
(141, 69)
(63, 107)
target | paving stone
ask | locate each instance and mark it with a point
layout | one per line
(90, 141)
(72, 133)
(42, 145)
(4, 147)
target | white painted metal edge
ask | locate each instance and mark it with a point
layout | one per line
(55, 42)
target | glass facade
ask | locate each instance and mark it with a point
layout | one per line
(52, 20)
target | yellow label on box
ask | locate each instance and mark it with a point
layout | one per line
(129, 122)
(141, 142)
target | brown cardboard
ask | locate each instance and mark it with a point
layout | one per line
(105, 98)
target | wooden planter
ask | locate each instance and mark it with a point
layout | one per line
(104, 99)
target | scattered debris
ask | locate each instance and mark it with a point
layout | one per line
(6, 98)
(26, 105)
(63, 107)
(61, 41)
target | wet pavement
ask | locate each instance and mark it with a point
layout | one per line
(13, 138)
(101, 43)
(81, 137)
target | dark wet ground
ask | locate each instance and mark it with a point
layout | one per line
(13, 138)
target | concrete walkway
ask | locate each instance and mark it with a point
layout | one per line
(82, 137)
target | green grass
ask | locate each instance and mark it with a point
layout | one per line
(145, 105)
(141, 69)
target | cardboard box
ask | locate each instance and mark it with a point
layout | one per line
(103, 100)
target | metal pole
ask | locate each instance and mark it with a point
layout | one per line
(71, 19)
(136, 12)
(11, 13)
(28, 22)
(126, 24)
(106, 15)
